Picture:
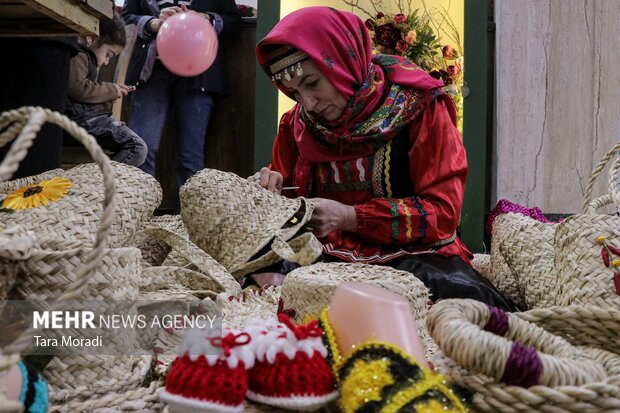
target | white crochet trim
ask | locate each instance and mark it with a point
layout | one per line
(270, 337)
(299, 403)
(196, 343)
(182, 404)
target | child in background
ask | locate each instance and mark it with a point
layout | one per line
(90, 102)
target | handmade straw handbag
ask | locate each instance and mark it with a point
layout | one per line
(307, 290)
(526, 246)
(74, 217)
(243, 226)
(512, 365)
(587, 245)
(75, 264)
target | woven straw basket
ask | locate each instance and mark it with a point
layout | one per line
(307, 290)
(15, 245)
(526, 245)
(513, 365)
(75, 216)
(243, 226)
(75, 263)
(581, 241)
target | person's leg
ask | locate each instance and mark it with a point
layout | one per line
(35, 72)
(149, 109)
(115, 136)
(450, 277)
(192, 110)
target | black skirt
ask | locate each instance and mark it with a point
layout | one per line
(450, 277)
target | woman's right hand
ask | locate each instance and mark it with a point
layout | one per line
(271, 180)
(155, 24)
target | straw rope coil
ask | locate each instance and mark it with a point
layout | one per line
(584, 327)
(237, 222)
(506, 348)
(587, 245)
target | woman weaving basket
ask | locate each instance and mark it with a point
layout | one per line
(372, 141)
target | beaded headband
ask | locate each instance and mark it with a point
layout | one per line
(286, 60)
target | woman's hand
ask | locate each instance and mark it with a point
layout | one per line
(155, 24)
(329, 216)
(271, 180)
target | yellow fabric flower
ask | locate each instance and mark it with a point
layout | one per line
(37, 194)
(600, 240)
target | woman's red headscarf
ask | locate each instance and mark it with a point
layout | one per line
(339, 45)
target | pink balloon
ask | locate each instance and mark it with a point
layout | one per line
(187, 44)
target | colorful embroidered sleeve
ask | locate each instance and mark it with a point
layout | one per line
(438, 169)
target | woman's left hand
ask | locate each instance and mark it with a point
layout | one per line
(329, 216)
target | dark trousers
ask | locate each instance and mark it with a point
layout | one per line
(35, 72)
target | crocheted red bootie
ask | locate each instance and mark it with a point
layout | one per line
(290, 370)
(201, 381)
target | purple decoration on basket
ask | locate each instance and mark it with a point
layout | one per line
(523, 367)
(504, 206)
(498, 322)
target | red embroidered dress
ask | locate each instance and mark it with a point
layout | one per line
(395, 153)
(407, 195)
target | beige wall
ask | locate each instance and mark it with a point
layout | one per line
(455, 10)
(558, 98)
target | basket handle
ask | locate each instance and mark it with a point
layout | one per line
(590, 206)
(500, 345)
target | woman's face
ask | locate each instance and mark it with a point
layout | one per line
(315, 93)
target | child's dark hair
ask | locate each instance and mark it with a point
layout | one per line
(112, 31)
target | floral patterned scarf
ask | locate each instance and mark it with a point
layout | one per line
(384, 92)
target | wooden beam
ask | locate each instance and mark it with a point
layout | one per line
(34, 28)
(69, 14)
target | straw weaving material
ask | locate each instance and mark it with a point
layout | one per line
(232, 219)
(526, 245)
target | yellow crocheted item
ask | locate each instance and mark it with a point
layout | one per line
(379, 376)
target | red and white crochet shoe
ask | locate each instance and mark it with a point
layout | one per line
(290, 371)
(200, 380)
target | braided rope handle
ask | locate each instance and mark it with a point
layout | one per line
(22, 125)
(502, 346)
(590, 206)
